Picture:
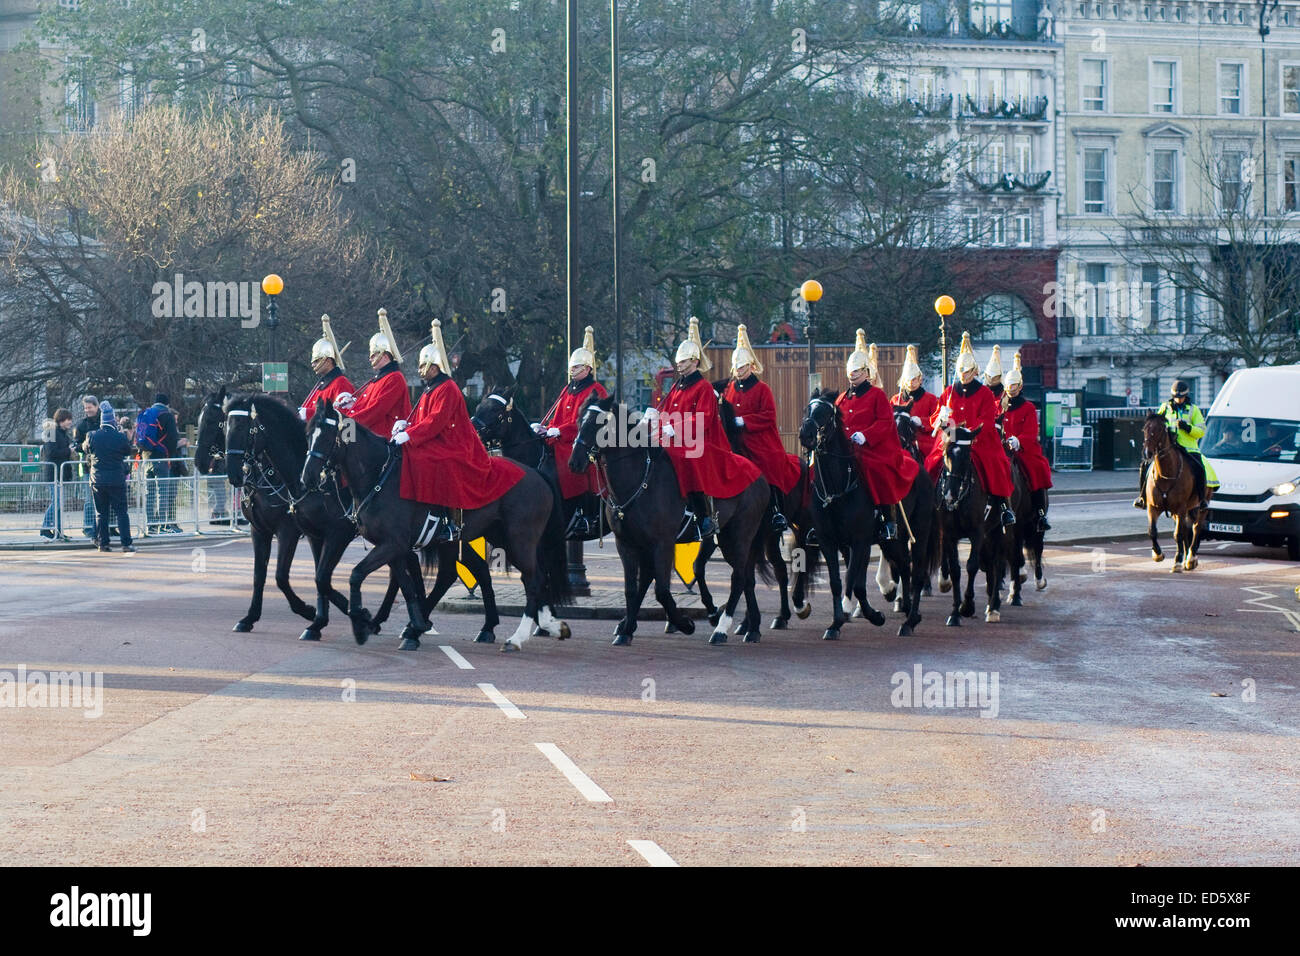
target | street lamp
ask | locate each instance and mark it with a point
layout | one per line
(272, 285)
(811, 292)
(1266, 9)
(945, 306)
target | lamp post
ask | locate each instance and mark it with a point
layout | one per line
(944, 305)
(811, 292)
(1266, 8)
(272, 285)
(576, 566)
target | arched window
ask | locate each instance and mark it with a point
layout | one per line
(1005, 318)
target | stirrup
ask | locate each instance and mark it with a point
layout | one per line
(889, 532)
(779, 524)
(1008, 516)
(446, 531)
(708, 526)
(1140, 503)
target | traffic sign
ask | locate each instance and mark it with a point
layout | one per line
(275, 376)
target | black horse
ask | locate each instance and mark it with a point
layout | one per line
(798, 514)
(262, 443)
(964, 512)
(520, 519)
(888, 576)
(644, 506)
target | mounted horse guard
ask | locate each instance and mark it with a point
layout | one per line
(919, 404)
(1175, 479)
(385, 399)
(327, 362)
(559, 429)
(1019, 423)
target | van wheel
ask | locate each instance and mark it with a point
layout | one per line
(1293, 547)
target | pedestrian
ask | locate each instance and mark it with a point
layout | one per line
(90, 409)
(156, 435)
(107, 449)
(56, 450)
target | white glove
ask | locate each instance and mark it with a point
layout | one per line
(740, 422)
(552, 433)
(539, 428)
(858, 438)
(302, 414)
(945, 413)
(651, 415)
(916, 422)
(1014, 442)
(668, 431)
(401, 438)
(345, 400)
(399, 426)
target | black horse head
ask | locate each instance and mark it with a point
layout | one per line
(821, 420)
(494, 414)
(210, 442)
(958, 464)
(264, 433)
(589, 444)
(324, 443)
(907, 429)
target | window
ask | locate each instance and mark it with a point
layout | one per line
(1291, 182)
(994, 157)
(1164, 179)
(987, 15)
(1291, 89)
(1024, 230)
(997, 230)
(1096, 296)
(972, 220)
(1184, 309)
(1097, 386)
(1164, 86)
(1005, 318)
(1231, 84)
(1018, 87)
(1024, 154)
(1231, 194)
(1094, 85)
(80, 101)
(1150, 318)
(1094, 180)
(1151, 392)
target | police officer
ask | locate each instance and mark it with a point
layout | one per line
(1188, 425)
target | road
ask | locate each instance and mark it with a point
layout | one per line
(1129, 716)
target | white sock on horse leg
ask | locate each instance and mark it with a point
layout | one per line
(522, 632)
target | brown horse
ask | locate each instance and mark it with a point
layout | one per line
(1171, 488)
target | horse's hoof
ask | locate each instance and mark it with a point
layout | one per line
(898, 606)
(752, 637)
(1016, 602)
(740, 628)
(779, 624)
(831, 634)
(927, 591)
(967, 609)
(944, 585)
(1191, 565)
(718, 637)
(857, 612)
(670, 628)
(509, 647)
(688, 626)
(565, 633)
(891, 595)
(1176, 569)
(310, 634)
(242, 627)
(1022, 577)
(622, 640)
(953, 620)
(1041, 584)
(409, 644)
(992, 617)
(905, 630)
(485, 636)
(715, 616)
(802, 611)
(875, 617)
(375, 627)
(1157, 557)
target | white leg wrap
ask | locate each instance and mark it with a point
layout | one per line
(547, 620)
(846, 603)
(522, 632)
(724, 625)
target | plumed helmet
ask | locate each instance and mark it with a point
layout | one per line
(874, 354)
(994, 369)
(326, 346)
(911, 368)
(384, 340)
(743, 354)
(693, 348)
(1015, 376)
(966, 360)
(860, 357)
(435, 353)
(586, 353)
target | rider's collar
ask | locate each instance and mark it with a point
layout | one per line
(437, 380)
(918, 393)
(749, 381)
(966, 391)
(1016, 402)
(329, 376)
(581, 385)
(861, 388)
(686, 381)
(393, 366)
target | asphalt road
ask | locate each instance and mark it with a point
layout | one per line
(1137, 717)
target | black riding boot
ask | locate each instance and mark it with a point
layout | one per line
(886, 529)
(1038, 500)
(446, 529)
(776, 519)
(585, 523)
(1140, 500)
(1008, 517)
(701, 505)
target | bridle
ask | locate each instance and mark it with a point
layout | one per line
(951, 502)
(329, 472)
(595, 457)
(258, 477)
(1166, 448)
(818, 451)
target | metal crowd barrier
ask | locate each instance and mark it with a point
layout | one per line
(1073, 453)
(160, 503)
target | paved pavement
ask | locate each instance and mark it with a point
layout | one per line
(1128, 716)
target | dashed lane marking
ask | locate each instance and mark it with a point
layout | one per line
(498, 698)
(653, 853)
(457, 659)
(586, 786)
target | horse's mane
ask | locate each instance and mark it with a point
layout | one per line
(282, 419)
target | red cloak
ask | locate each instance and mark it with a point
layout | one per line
(888, 469)
(1021, 419)
(328, 388)
(568, 409)
(972, 406)
(761, 440)
(699, 450)
(381, 401)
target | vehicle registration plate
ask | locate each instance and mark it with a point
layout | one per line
(1225, 528)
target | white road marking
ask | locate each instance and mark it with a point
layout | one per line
(586, 786)
(455, 656)
(653, 853)
(498, 698)
(1238, 569)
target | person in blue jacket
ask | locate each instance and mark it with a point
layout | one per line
(108, 449)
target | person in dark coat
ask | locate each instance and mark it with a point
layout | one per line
(54, 453)
(107, 450)
(90, 421)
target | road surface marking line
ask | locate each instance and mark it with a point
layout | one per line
(455, 656)
(1241, 569)
(498, 698)
(586, 786)
(653, 853)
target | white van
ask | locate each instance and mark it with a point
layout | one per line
(1252, 438)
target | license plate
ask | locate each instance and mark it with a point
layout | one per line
(1225, 528)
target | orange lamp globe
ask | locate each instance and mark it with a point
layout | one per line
(944, 305)
(273, 284)
(810, 291)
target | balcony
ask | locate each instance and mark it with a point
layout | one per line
(1009, 182)
(1029, 110)
(916, 24)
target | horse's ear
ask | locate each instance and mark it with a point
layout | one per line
(510, 404)
(221, 395)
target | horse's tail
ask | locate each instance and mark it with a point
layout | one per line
(933, 546)
(553, 554)
(762, 565)
(429, 560)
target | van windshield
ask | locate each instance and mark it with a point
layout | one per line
(1251, 439)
